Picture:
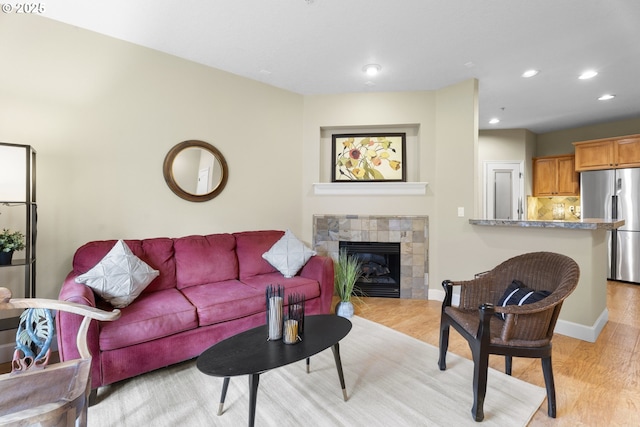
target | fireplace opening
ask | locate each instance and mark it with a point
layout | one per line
(380, 268)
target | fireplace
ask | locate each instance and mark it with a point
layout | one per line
(380, 263)
(411, 232)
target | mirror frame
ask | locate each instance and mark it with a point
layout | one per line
(167, 170)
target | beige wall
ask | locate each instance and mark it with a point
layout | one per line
(442, 123)
(505, 145)
(560, 142)
(412, 112)
(102, 114)
(522, 144)
(585, 311)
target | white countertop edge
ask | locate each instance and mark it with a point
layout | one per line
(370, 188)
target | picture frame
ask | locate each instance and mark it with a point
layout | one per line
(368, 157)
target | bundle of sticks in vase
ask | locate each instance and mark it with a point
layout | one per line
(294, 323)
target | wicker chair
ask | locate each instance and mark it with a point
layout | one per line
(527, 329)
(36, 394)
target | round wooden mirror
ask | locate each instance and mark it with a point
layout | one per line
(195, 171)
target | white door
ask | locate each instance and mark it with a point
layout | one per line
(203, 181)
(503, 189)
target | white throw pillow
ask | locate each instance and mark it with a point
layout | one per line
(119, 277)
(288, 254)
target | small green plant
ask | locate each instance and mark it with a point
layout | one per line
(11, 241)
(347, 271)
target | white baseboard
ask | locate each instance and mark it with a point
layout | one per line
(582, 332)
(438, 295)
(564, 327)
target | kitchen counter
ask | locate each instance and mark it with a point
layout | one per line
(583, 224)
(584, 314)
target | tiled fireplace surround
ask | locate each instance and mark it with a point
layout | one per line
(412, 232)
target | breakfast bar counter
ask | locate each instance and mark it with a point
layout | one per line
(583, 224)
(584, 313)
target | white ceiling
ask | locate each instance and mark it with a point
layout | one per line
(320, 47)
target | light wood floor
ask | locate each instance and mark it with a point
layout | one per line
(597, 384)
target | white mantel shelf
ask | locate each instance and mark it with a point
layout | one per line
(370, 188)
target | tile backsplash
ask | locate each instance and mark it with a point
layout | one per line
(550, 208)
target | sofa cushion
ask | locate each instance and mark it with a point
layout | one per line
(297, 284)
(222, 301)
(288, 254)
(119, 277)
(205, 259)
(157, 253)
(250, 245)
(153, 315)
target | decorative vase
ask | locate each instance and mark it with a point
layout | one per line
(5, 257)
(344, 309)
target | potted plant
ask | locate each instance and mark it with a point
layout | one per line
(10, 242)
(347, 271)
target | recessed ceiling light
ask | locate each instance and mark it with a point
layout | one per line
(588, 75)
(606, 97)
(494, 121)
(371, 69)
(530, 73)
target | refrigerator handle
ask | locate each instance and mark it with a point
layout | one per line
(616, 198)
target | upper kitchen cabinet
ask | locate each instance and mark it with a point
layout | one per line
(555, 176)
(608, 153)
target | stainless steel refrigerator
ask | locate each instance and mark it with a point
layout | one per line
(615, 194)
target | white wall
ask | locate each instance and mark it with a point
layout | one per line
(102, 114)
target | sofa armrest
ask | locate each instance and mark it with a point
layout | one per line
(76, 292)
(320, 268)
(68, 324)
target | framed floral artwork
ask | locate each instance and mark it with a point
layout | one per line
(368, 157)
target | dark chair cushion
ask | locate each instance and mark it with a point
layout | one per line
(518, 294)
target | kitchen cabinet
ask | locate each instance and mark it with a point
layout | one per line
(608, 153)
(555, 176)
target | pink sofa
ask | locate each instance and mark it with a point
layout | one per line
(209, 288)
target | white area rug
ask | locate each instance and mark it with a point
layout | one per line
(391, 379)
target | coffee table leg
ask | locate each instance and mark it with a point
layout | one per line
(336, 355)
(308, 361)
(225, 386)
(254, 379)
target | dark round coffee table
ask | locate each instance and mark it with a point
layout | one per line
(250, 353)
